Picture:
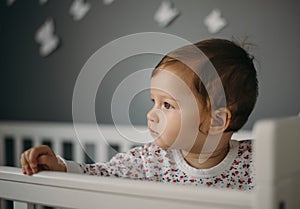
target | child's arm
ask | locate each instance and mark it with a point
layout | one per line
(130, 165)
(40, 158)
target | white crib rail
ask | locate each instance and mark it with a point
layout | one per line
(80, 191)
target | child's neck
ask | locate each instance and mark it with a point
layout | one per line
(212, 158)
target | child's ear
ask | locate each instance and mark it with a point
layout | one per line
(220, 120)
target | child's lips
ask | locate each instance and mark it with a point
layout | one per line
(153, 133)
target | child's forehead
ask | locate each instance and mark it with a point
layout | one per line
(175, 75)
(171, 84)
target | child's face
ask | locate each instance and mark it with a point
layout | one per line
(174, 118)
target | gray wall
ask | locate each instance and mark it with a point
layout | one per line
(40, 89)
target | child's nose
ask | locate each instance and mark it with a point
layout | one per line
(152, 116)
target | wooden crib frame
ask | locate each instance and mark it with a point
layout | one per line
(277, 172)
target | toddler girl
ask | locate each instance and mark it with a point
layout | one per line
(198, 103)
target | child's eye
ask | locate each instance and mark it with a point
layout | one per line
(168, 106)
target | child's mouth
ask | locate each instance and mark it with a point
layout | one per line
(154, 134)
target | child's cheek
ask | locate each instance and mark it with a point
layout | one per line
(160, 126)
(190, 121)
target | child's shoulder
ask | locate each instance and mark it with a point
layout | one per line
(244, 152)
(245, 146)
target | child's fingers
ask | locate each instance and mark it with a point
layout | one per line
(22, 160)
(35, 153)
(23, 163)
(31, 158)
(28, 165)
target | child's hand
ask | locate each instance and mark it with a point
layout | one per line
(40, 158)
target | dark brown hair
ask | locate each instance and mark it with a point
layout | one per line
(235, 69)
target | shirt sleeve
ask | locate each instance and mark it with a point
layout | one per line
(128, 165)
(71, 166)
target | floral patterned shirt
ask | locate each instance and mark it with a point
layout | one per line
(150, 162)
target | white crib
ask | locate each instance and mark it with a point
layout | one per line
(277, 142)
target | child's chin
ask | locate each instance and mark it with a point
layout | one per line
(161, 144)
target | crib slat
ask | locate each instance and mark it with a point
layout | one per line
(57, 148)
(78, 152)
(18, 150)
(103, 152)
(126, 146)
(23, 205)
(36, 141)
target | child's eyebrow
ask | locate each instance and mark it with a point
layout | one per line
(166, 97)
(171, 98)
